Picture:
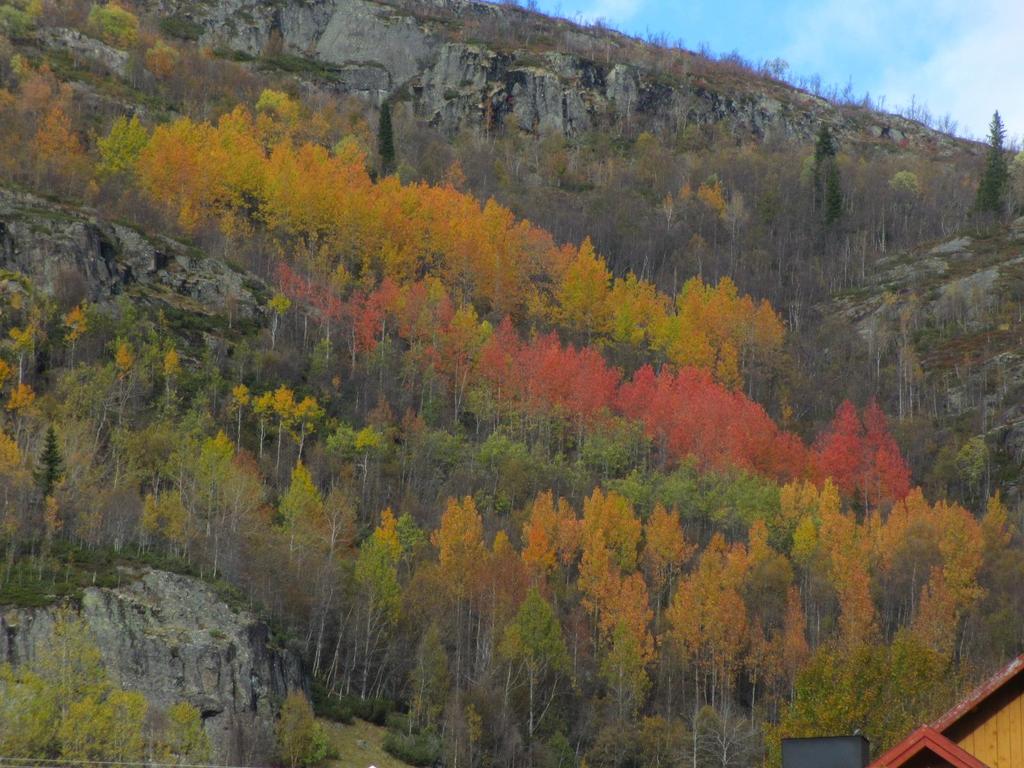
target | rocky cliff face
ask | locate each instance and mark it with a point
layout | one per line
(171, 638)
(549, 74)
(65, 251)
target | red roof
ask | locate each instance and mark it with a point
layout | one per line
(927, 739)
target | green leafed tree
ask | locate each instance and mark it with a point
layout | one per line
(185, 741)
(72, 663)
(64, 704)
(301, 739)
(29, 714)
(882, 690)
(301, 504)
(120, 149)
(429, 679)
(105, 728)
(114, 24)
(376, 572)
(534, 640)
(15, 22)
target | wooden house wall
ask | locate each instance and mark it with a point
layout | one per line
(994, 732)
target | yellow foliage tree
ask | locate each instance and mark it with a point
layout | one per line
(581, 297)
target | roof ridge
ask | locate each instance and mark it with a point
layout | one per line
(1000, 678)
(927, 738)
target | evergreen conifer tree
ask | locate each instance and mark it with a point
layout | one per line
(386, 140)
(50, 466)
(833, 194)
(992, 188)
(824, 147)
(828, 192)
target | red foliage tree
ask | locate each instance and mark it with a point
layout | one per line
(689, 414)
(840, 450)
(861, 456)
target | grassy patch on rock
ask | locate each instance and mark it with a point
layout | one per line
(37, 579)
(359, 745)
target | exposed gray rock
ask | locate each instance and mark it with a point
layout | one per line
(957, 245)
(354, 35)
(368, 81)
(1010, 434)
(82, 47)
(968, 298)
(572, 84)
(65, 249)
(171, 638)
(364, 33)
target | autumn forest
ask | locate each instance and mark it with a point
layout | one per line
(519, 486)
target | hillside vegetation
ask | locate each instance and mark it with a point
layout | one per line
(565, 448)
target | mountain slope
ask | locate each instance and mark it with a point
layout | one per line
(942, 326)
(562, 443)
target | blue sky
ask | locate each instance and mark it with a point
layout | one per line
(964, 58)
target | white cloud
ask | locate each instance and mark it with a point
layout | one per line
(979, 69)
(961, 59)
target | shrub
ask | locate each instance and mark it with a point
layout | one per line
(422, 749)
(398, 722)
(344, 708)
(905, 183)
(336, 708)
(374, 711)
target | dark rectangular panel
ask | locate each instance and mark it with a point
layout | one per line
(826, 752)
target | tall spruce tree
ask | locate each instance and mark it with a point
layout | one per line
(386, 140)
(50, 466)
(833, 194)
(828, 192)
(824, 147)
(994, 180)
